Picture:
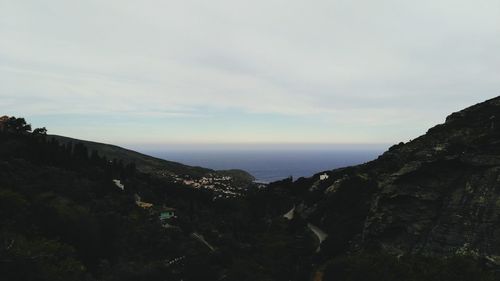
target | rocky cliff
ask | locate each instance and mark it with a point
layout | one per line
(438, 194)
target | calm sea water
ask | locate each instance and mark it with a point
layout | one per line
(268, 166)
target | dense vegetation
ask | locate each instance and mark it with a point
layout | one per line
(63, 218)
(383, 267)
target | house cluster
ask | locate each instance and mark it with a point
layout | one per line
(140, 203)
(221, 186)
(323, 177)
(207, 181)
(165, 214)
(175, 261)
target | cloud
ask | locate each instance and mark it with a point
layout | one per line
(345, 64)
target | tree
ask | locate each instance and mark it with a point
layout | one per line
(40, 131)
(17, 126)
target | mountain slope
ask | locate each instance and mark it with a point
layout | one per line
(438, 194)
(149, 164)
(64, 215)
(425, 210)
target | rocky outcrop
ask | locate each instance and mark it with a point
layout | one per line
(438, 194)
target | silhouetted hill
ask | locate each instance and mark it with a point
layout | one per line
(436, 195)
(426, 210)
(152, 165)
(69, 213)
(144, 163)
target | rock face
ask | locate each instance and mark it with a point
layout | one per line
(438, 194)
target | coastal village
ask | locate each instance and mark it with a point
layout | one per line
(222, 186)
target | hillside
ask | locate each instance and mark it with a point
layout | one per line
(436, 195)
(67, 214)
(149, 164)
(426, 210)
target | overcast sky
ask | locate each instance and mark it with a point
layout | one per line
(159, 72)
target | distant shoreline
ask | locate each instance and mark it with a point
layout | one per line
(269, 166)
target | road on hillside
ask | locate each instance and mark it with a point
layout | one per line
(319, 233)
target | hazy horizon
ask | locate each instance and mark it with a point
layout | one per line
(216, 72)
(178, 147)
(271, 164)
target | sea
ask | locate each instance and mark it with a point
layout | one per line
(271, 165)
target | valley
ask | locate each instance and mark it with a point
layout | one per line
(78, 210)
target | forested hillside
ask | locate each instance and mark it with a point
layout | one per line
(64, 217)
(67, 212)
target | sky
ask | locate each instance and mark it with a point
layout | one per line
(153, 73)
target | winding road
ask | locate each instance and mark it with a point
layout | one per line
(319, 233)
